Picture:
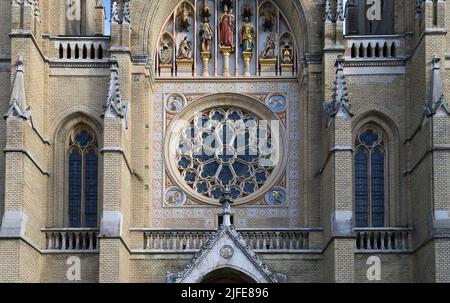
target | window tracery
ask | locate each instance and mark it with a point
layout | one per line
(83, 165)
(370, 179)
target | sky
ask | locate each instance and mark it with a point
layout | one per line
(108, 11)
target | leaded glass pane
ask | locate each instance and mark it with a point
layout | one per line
(377, 188)
(370, 180)
(91, 189)
(361, 188)
(83, 139)
(75, 175)
(369, 138)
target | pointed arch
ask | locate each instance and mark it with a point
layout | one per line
(65, 151)
(394, 204)
(151, 14)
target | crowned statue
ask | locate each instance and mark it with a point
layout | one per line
(247, 36)
(227, 28)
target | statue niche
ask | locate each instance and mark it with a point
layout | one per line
(185, 12)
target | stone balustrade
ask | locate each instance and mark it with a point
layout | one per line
(383, 239)
(375, 47)
(81, 48)
(261, 240)
(70, 239)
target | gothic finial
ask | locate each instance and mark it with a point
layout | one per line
(226, 202)
(339, 105)
(339, 11)
(328, 13)
(18, 104)
(115, 18)
(126, 12)
(437, 100)
(115, 107)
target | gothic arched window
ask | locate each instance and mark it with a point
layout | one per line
(83, 166)
(370, 179)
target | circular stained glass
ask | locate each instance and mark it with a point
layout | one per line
(225, 147)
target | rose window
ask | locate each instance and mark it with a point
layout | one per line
(223, 148)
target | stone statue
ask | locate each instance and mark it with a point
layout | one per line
(185, 50)
(287, 54)
(184, 22)
(206, 35)
(247, 36)
(227, 28)
(269, 50)
(268, 14)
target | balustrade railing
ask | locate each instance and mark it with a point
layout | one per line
(259, 240)
(71, 239)
(81, 48)
(383, 239)
(375, 47)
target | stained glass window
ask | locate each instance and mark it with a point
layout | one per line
(225, 147)
(83, 180)
(370, 179)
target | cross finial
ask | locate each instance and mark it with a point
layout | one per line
(226, 202)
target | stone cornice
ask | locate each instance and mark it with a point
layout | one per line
(29, 156)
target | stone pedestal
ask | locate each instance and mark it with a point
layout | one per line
(268, 66)
(165, 70)
(184, 67)
(286, 69)
(246, 57)
(226, 52)
(206, 56)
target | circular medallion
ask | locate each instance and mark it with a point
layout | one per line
(175, 103)
(174, 197)
(277, 196)
(227, 252)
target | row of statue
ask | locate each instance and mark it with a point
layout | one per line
(226, 37)
(276, 54)
(185, 48)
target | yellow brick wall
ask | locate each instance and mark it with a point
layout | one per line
(395, 268)
(55, 267)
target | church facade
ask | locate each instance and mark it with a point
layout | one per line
(243, 141)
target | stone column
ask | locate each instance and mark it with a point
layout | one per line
(247, 57)
(226, 52)
(206, 56)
